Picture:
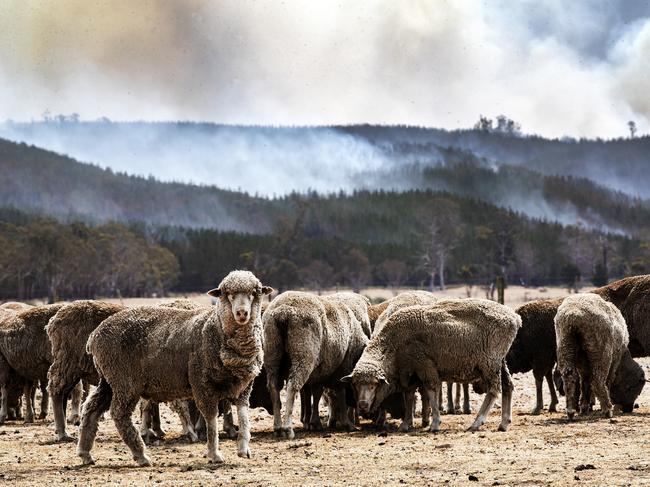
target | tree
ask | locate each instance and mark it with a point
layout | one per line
(356, 269)
(317, 275)
(484, 124)
(442, 231)
(631, 125)
(393, 273)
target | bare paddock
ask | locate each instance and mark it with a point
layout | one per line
(536, 450)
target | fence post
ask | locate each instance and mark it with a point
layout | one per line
(501, 289)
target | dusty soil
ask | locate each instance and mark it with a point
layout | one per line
(537, 450)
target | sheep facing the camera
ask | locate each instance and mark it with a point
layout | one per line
(453, 340)
(166, 354)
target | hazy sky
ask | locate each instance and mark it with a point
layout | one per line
(579, 67)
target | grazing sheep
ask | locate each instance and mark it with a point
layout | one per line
(632, 297)
(460, 340)
(166, 354)
(26, 351)
(534, 348)
(311, 341)
(401, 301)
(591, 340)
(68, 332)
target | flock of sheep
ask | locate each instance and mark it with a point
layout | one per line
(364, 360)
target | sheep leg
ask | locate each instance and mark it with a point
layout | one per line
(491, 381)
(552, 407)
(433, 392)
(99, 400)
(147, 434)
(407, 422)
(314, 416)
(58, 406)
(467, 408)
(341, 405)
(450, 398)
(274, 391)
(75, 403)
(4, 402)
(600, 373)
(155, 420)
(244, 436)
(228, 421)
(29, 402)
(182, 409)
(305, 406)
(442, 411)
(567, 355)
(506, 397)
(287, 421)
(426, 408)
(122, 408)
(210, 413)
(45, 400)
(200, 427)
(539, 398)
(457, 408)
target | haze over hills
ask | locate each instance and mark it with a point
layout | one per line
(592, 183)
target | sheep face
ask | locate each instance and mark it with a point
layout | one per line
(370, 391)
(241, 290)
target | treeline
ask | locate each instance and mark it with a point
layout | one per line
(42, 257)
(415, 238)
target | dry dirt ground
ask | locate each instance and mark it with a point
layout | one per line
(537, 450)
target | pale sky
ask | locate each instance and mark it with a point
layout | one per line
(579, 67)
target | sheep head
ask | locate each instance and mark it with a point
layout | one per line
(370, 385)
(240, 290)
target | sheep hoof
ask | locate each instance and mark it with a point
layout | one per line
(570, 414)
(217, 457)
(29, 418)
(316, 426)
(231, 433)
(65, 438)
(467, 410)
(42, 415)
(74, 419)
(86, 458)
(552, 408)
(503, 426)
(143, 461)
(608, 413)
(244, 453)
(536, 410)
(192, 437)
(404, 427)
(288, 433)
(474, 428)
(457, 411)
(149, 437)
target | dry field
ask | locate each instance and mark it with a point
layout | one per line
(537, 450)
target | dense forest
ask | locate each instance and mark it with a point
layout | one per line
(69, 229)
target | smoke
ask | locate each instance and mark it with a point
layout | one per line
(577, 68)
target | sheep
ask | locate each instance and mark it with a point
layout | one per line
(461, 340)
(401, 301)
(534, 348)
(591, 338)
(15, 306)
(632, 297)
(309, 341)
(165, 354)
(375, 311)
(68, 331)
(25, 350)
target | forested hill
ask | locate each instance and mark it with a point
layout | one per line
(191, 234)
(38, 180)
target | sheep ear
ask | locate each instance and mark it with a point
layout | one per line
(267, 289)
(347, 379)
(382, 380)
(215, 293)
